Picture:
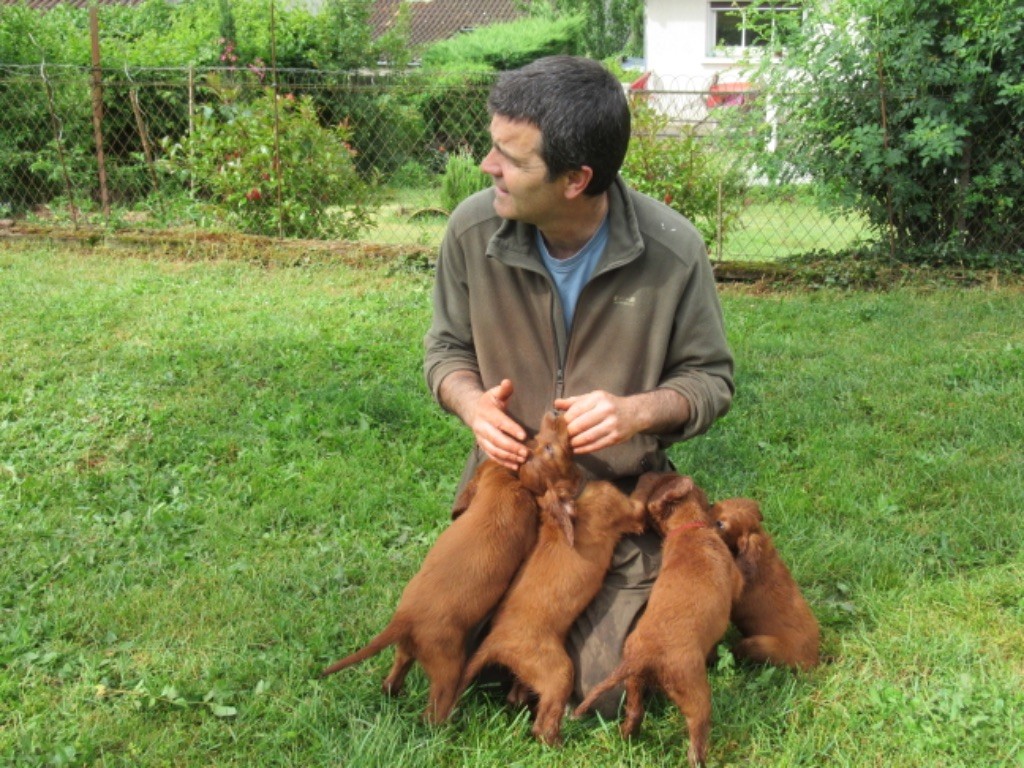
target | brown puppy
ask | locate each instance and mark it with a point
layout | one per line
(686, 615)
(550, 468)
(462, 578)
(775, 620)
(558, 580)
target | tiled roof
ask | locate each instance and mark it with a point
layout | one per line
(439, 19)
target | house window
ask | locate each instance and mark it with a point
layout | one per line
(734, 25)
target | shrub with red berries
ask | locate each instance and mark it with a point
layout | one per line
(311, 189)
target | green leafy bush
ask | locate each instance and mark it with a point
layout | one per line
(388, 128)
(462, 177)
(678, 166)
(35, 167)
(414, 117)
(59, 36)
(508, 46)
(911, 113)
(454, 106)
(412, 174)
(32, 172)
(191, 33)
(231, 160)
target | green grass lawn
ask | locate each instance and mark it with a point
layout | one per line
(772, 228)
(216, 477)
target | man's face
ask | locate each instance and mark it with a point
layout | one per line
(522, 189)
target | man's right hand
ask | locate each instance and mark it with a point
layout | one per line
(485, 412)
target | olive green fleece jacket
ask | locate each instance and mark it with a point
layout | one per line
(649, 317)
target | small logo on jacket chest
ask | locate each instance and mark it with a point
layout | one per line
(624, 301)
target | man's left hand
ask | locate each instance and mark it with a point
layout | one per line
(598, 420)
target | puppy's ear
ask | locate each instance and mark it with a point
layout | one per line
(646, 485)
(679, 488)
(749, 547)
(670, 492)
(561, 506)
(743, 544)
(723, 527)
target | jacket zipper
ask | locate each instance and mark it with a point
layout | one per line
(557, 317)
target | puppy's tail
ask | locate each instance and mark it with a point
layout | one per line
(768, 649)
(390, 635)
(477, 662)
(617, 676)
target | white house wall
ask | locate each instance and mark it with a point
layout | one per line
(676, 45)
(676, 53)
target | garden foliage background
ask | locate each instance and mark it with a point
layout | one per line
(360, 155)
(305, 125)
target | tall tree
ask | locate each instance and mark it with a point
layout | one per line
(612, 26)
(348, 42)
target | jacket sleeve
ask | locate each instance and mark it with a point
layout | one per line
(699, 365)
(448, 343)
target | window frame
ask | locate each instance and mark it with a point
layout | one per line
(719, 8)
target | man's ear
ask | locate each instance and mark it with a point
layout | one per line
(577, 181)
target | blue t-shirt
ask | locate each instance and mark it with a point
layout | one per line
(570, 275)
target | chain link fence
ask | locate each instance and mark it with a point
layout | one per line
(124, 147)
(137, 147)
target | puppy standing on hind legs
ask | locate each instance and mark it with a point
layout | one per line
(775, 620)
(556, 583)
(686, 615)
(462, 578)
(580, 527)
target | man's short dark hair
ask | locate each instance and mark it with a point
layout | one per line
(580, 109)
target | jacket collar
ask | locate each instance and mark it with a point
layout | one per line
(514, 245)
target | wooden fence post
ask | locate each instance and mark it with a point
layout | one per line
(97, 107)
